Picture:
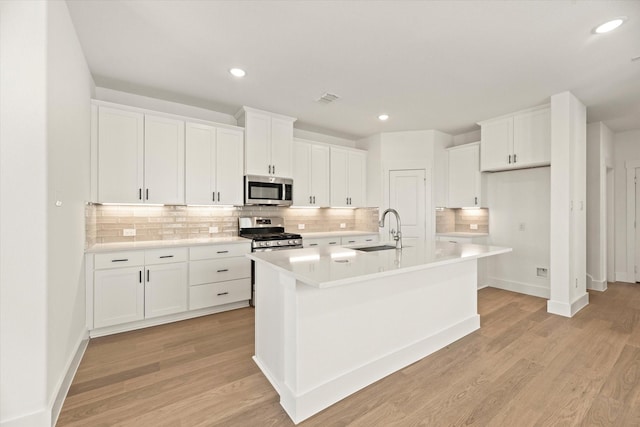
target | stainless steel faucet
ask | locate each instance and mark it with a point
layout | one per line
(397, 235)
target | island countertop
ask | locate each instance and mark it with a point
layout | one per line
(326, 267)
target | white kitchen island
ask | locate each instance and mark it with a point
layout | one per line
(330, 321)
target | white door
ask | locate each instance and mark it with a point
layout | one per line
(319, 175)
(356, 179)
(281, 140)
(339, 167)
(120, 156)
(163, 160)
(200, 178)
(257, 144)
(165, 289)
(637, 222)
(532, 137)
(118, 296)
(407, 196)
(301, 174)
(228, 167)
(497, 144)
(464, 176)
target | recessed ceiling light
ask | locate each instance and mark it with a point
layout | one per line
(610, 25)
(237, 72)
(383, 117)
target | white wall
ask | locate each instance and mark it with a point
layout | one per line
(45, 116)
(320, 137)
(518, 204)
(626, 148)
(23, 213)
(466, 138)
(69, 91)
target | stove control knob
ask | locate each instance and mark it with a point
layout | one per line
(279, 243)
(292, 242)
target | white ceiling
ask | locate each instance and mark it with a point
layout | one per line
(428, 64)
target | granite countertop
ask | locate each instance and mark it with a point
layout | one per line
(326, 267)
(462, 234)
(159, 244)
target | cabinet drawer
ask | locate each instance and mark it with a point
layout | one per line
(218, 270)
(118, 259)
(219, 251)
(352, 240)
(322, 241)
(165, 256)
(212, 294)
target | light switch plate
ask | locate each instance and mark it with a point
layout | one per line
(213, 230)
(473, 226)
(343, 225)
(300, 226)
(129, 232)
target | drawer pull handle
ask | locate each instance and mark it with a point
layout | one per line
(352, 241)
(166, 256)
(222, 252)
(369, 240)
(333, 243)
(313, 244)
(140, 276)
(223, 293)
(223, 270)
(120, 260)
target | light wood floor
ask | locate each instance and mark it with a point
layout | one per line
(524, 367)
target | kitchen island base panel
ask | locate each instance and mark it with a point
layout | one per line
(317, 346)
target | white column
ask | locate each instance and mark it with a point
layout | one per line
(568, 206)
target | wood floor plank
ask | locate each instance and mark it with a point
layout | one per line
(524, 367)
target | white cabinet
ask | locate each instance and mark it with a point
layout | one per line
(516, 141)
(268, 142)
(219, 275)
(315, 242)
(357, 240)
(214, 158)
(310, 174)
(140, 157)
(464, 178)
(348, 174)
(136, 285)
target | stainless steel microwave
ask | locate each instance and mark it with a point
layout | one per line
(268, 190)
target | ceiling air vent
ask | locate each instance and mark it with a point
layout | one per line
(327, 98)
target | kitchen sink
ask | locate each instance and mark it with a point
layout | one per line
(375, 248)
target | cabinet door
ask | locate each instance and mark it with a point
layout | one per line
(165, 289)
(228, 166)
(497, 144)
(118, 296)
(200, 159)
(319, 175)
(257, 143)
(356, 179)
(120, 156)
(281, 141)
(163, 160)
(302, 195)
(464, 177)
(532, 138)
(339, 177)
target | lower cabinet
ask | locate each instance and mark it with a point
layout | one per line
(135, 286)
(219, 275)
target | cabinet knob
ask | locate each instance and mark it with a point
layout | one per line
(515, 158)
(509, 158)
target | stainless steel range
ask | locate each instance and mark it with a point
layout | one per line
(266, 234)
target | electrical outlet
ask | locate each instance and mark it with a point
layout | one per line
(213, 230)
(129, 232)
(300, 226)
(473, 226)
(542, 272)
(343, 225)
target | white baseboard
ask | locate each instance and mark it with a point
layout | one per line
(596, 285)
(35, 419)
(65, 383)
(523, 288)
(303, 405)
(147, 323)
(566, 309)
(623, 276)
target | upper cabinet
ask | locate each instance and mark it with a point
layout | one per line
(464, 176)
(268, 142)
(139, 157)
(214, 165)
(310, 174)
(515, 141)
(348, 172)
